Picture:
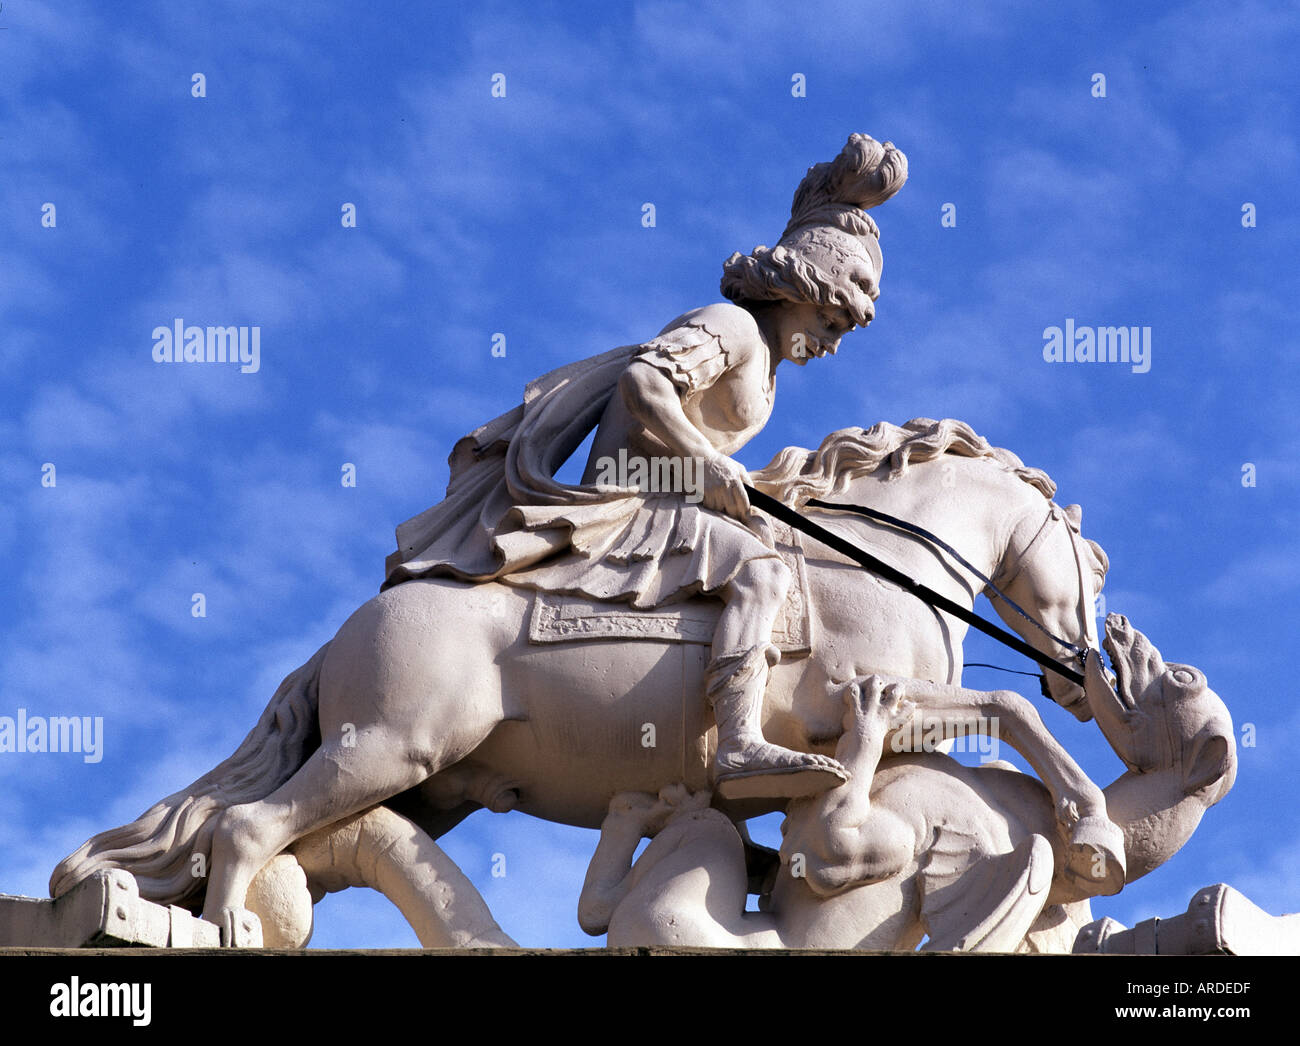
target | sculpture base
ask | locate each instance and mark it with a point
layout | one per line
(107, 911)
(1218, 921)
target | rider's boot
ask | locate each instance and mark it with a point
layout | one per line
(746, 765)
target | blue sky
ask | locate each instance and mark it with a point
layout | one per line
(522, 215)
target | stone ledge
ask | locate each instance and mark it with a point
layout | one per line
(1219, 921)
(107, 911)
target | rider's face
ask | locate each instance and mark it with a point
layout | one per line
(807, 330)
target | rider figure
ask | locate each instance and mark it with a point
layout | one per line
(701, 389)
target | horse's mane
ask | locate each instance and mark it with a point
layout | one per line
(796, 475)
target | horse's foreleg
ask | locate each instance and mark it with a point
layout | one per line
(1096, 844)
(951, 712)
(384, 851)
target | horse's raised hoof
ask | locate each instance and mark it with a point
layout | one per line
(1095, 856)
(785, 782)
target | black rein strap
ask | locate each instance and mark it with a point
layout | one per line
(934, 539)
(787, 515)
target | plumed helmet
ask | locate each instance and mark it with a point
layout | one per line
(830, 251)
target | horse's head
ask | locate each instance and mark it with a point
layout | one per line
(980, 498)
(1054, 574)
(1159, 715)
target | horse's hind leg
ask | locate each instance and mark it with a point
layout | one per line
(401, 697)
(337, 781)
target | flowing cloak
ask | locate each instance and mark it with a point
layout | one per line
(505, 517)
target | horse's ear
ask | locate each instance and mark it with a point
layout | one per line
(1074, 513)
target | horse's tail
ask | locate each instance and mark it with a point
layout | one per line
(159, 847)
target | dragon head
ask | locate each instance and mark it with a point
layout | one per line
(1159, 715)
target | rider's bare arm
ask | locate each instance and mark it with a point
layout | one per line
(654, 401)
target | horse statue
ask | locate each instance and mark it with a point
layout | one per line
(919, 846)
(439, 697)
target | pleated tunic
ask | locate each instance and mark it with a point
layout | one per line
(507, 518)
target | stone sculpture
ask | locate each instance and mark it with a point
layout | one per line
(697, 392)
(530, 632)
(967, 857)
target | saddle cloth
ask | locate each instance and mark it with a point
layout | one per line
(564, 619)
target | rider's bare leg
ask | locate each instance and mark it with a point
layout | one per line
(746, 765)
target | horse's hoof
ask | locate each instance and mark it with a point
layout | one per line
(1095, 856)
(780, 782)
(240, 928)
